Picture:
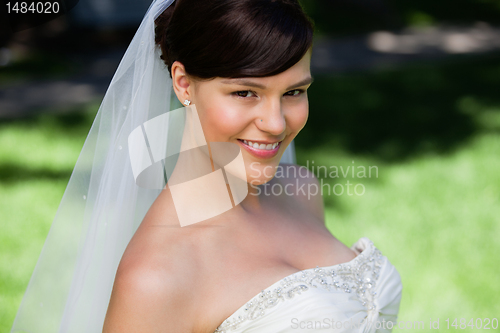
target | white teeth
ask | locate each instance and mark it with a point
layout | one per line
(261, 146)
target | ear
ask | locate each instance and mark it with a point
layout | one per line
(181, 82)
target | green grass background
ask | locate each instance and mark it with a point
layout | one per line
(432, 130)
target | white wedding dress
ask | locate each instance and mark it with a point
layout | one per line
(362, 295)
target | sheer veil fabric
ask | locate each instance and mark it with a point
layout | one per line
(102, 205)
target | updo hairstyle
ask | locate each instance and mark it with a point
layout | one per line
(233, 38)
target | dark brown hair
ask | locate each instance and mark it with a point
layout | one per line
(234, 38)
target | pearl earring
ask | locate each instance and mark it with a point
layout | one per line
(187, 102)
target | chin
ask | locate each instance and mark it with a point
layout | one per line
(259, 173)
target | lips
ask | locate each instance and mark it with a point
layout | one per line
(261, 150)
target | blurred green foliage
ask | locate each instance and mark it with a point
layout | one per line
(348, 17)
(396, 114)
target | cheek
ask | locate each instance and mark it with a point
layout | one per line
(207, 105)
(220, 122)
(297, 116)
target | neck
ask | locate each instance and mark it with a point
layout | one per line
(254, 202)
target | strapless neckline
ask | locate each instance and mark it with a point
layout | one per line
(366, 252)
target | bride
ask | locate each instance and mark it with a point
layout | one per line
(175, 260)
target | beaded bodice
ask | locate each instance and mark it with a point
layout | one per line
(325, 292)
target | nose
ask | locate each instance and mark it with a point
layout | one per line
(272, 118)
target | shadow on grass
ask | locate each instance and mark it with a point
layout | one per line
(76, 119)
(396, 114)
(39, 65)
(71, 125)
(12, 172)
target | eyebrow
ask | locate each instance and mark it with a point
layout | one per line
(248, 83)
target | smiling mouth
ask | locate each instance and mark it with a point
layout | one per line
(261, 146)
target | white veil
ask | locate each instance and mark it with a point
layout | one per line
(102, 206)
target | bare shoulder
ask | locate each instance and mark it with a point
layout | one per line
(149, 295)
(303, 185)
(142, 302)
(153, 288)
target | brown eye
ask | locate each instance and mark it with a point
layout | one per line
(244, 94)
(295, 92)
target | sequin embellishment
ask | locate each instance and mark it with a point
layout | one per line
(359, 277)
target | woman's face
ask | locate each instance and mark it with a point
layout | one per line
(260, 115)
